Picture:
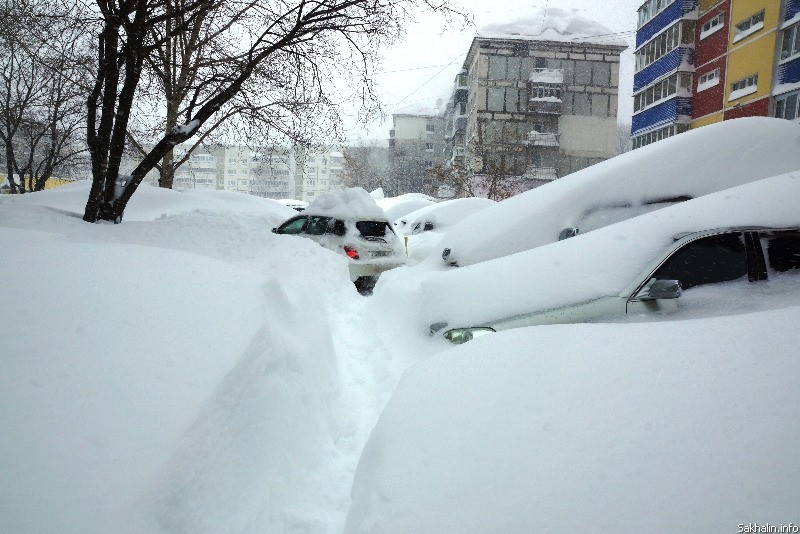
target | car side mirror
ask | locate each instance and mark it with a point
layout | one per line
(274, 230)
(660, 289)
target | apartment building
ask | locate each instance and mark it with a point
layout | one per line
(744, 60)
(317, 171)
(264, 172)
(536, 99)
(786, 86)
(664, 67)
(416, 144)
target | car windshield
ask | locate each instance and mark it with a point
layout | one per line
(373, 228)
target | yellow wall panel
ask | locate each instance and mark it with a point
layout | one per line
(705, 5)
(705, 121)
(741, 10)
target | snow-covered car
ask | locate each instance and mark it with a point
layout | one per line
(423, 229)
(297, 205)
(350, 223)
(637, 267)
(399, 206)
(439, 216)
(650, 178)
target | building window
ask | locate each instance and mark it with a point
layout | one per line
(786, 106)
(430, 128)
(709, 79)
(545, 91)
(661, 90)
(749, 26)
(428, 146)
(650, 9)
(665, 42)
(791, 42)
(657, 135)
(712, 26)
(744, 87)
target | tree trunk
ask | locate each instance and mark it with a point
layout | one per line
(167, 171)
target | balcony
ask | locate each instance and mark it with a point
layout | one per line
(546, 105)
(540, 173)
(547, 76)
(461, 80)
(543, 139)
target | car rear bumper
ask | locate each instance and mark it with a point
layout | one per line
(357, 270)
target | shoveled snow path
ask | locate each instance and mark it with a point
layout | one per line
(368, 372)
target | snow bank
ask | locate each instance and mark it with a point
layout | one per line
(589, 428)
(170, 373)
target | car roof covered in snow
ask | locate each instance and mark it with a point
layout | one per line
(690, 165)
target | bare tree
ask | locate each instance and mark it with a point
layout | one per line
(454, 178)
(365, 165)
(624, 141)
(294, 51)
(41, 110)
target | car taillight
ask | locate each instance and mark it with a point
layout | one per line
(351, 252)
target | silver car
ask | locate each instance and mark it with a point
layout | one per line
(370, 244)
(694, 259)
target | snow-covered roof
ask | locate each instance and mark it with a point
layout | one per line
(349, 203)
(554, 24)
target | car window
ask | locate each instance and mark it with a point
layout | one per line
(317, 225)
(373, 228)
(292, 226)
(336, 227)
(708, 260)
(782, 250)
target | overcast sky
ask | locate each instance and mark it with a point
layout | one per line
(421, 68)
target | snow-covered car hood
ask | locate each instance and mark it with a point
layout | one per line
(598, 264)
(626, 186)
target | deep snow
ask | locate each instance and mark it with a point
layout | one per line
(189, 371)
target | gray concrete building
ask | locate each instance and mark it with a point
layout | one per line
(416, 144)
(536, 100)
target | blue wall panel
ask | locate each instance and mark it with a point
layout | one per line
(666, 18)
(792, 9)
(652, 72)
(683, 106)
(660, 114)
(658, 23)
(789, 72)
